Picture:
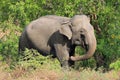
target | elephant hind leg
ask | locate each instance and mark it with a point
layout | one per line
(23, 42)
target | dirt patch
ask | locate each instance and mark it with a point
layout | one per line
(4, 75)
(4, 33)
(47, 74)
(7, 32)
(41, 74)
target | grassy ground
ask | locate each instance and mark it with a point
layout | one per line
(50, 74)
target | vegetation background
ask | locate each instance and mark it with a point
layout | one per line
(104, 15)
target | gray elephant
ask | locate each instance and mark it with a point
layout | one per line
(59, 36)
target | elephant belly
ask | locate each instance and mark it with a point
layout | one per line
(42, 47)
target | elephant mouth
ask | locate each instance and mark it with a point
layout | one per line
(85, 46)
(84, 43)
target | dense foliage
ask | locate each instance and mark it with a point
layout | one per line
(104, 15)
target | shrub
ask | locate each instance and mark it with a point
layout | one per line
(33, 60)
(9, 41)
(115, 65)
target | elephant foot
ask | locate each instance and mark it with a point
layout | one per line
(65, 65)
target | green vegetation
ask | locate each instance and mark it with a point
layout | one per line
(104, 15)
(33, 60)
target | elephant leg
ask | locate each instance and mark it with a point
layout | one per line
(62, 55)
(72, 53)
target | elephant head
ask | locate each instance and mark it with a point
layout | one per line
(81, 33)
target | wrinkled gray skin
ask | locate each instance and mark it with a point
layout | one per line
(59, 36)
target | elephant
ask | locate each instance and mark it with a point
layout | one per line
(57, 35)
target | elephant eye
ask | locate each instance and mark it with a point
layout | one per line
(81, 31)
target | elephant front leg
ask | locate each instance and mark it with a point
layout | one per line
(72, 53)
(62, 55)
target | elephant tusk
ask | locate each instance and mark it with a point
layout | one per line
(76, 58)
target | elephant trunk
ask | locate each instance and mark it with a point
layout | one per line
(92, 47)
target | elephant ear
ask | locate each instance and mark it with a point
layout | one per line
(66, 30)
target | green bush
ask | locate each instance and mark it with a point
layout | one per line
(9, 41)
(115, 65)
(33, 60)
